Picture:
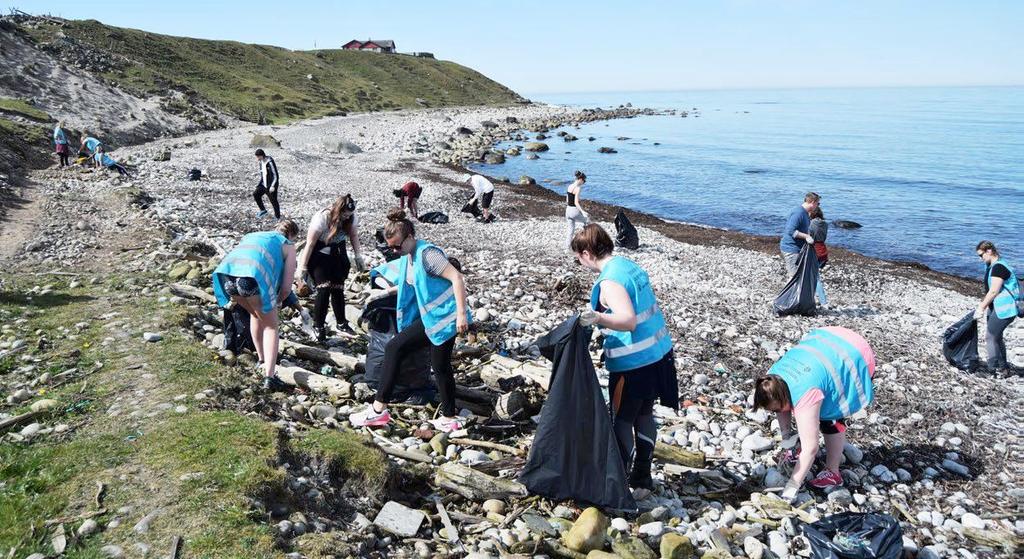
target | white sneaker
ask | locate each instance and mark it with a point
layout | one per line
(448, 424)
(370, 418)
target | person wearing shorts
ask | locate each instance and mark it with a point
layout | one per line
(819, 383)
(483, 192)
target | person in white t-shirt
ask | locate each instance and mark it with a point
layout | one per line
(483, 192)
(328, 262)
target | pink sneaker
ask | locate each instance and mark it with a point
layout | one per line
(447, 424)
(826, 479)
(370, 418)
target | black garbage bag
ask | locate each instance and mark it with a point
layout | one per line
(472, 208)
(434, 217)
(798, 295)
(574, 454)
(852, 535)
(625, 234)
(413, 369)
(383, 248)
(195, 174)
(236, 329)
(960, 344)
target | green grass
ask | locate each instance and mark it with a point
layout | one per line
(347, 453)
(270, 84)
(22, 108)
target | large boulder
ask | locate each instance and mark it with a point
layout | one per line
(264, 141)
(341, 146)
(587, 533)
(676, 546)
(489, 124)
(536, 146)
(494, 158)
(628, 547)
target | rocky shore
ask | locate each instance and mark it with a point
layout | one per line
(940, 450)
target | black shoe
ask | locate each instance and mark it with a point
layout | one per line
(640, 476)
(321, 335)
(274, 384)
(345, 330)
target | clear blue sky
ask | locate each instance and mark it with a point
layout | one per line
(565, 46)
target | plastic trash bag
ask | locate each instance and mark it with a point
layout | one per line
(414, 367)
(236, 329)
(852, 535)
(472, 208)
(798, 295)
(625, 234)
(434, 217)
(960, 344)
(574, 454)
(195, 174)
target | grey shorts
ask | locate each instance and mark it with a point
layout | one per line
(791, 259)
(241, 287)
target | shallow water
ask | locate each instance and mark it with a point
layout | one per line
(928, 172)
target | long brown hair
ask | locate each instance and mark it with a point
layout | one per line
(335, 223)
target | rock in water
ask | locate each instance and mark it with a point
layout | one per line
(676, 546)
(606, 150)
(535, 146)
(846, 224)
(264, 141)
(399, 519)
(587, 533)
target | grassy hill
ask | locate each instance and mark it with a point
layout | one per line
(262, 83)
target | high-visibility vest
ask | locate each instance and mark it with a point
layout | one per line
(434, 299)
(259, 256)
(1005, 304)
(650, 340)
(835, 360)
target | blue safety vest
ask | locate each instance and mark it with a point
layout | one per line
(650, 340)
(104, 159)
(829, 363)
(91, 144)
(59, 137)
(434, 299)
(1005, 304)
(259, 256)
(392, 273)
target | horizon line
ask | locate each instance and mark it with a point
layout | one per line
(770, 88)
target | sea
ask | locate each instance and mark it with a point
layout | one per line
(927, 172)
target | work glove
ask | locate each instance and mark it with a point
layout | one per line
(360, 263)
(588, 317)
(789, 493)
(979, 313)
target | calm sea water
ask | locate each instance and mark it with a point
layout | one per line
(928, 172)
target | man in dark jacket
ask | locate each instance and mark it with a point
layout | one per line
(268, 184)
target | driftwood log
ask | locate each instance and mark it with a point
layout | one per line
(299, 377)
(474, 485)
(319, 355)
(498, 370)
(19, 419)
(183, 290)
(675, 455)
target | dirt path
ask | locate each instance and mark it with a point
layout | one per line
(20, 219)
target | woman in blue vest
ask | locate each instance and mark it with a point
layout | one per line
(637, 348)
(819, 383)
(60, 143)
(431, 311)
(90, 145)
(999, 303)
(258, 275)
(101, 158)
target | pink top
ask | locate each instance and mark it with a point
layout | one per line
(809, 399)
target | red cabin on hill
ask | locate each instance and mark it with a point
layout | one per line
(372, 45)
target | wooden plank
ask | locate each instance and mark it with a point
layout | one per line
(299, 377)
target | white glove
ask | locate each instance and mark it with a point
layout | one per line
(979, 313)
(360, 263)
(588, 318)
(789, 493)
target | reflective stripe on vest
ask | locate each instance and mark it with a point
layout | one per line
(258, 256)
(844, 356)
(650, 340)
(1005, 304)
(435, 299)
(837, 381)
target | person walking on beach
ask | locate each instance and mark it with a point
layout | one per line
(60, 144)
(257, 274)
(637, 348)
(574, 212)
(440, 312)
(818, 230)
(410, 191)
(269, 182)
(796, 234)
(101, 159)
(328, 263)
(89, 144)
(999, 304)
(483, 192)
(819, 383)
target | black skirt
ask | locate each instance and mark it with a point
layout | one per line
(329, 269)
(656, 381)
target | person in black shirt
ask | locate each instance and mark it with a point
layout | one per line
(999, 303)
(268, 184)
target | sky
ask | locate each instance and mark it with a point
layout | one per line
(576, 46)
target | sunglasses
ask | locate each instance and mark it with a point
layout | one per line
(397, 246)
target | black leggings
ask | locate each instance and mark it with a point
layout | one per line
(410, 339)
(635, 430)
(329, 274)
(64, 159)
(272, 194)
(120, 169)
